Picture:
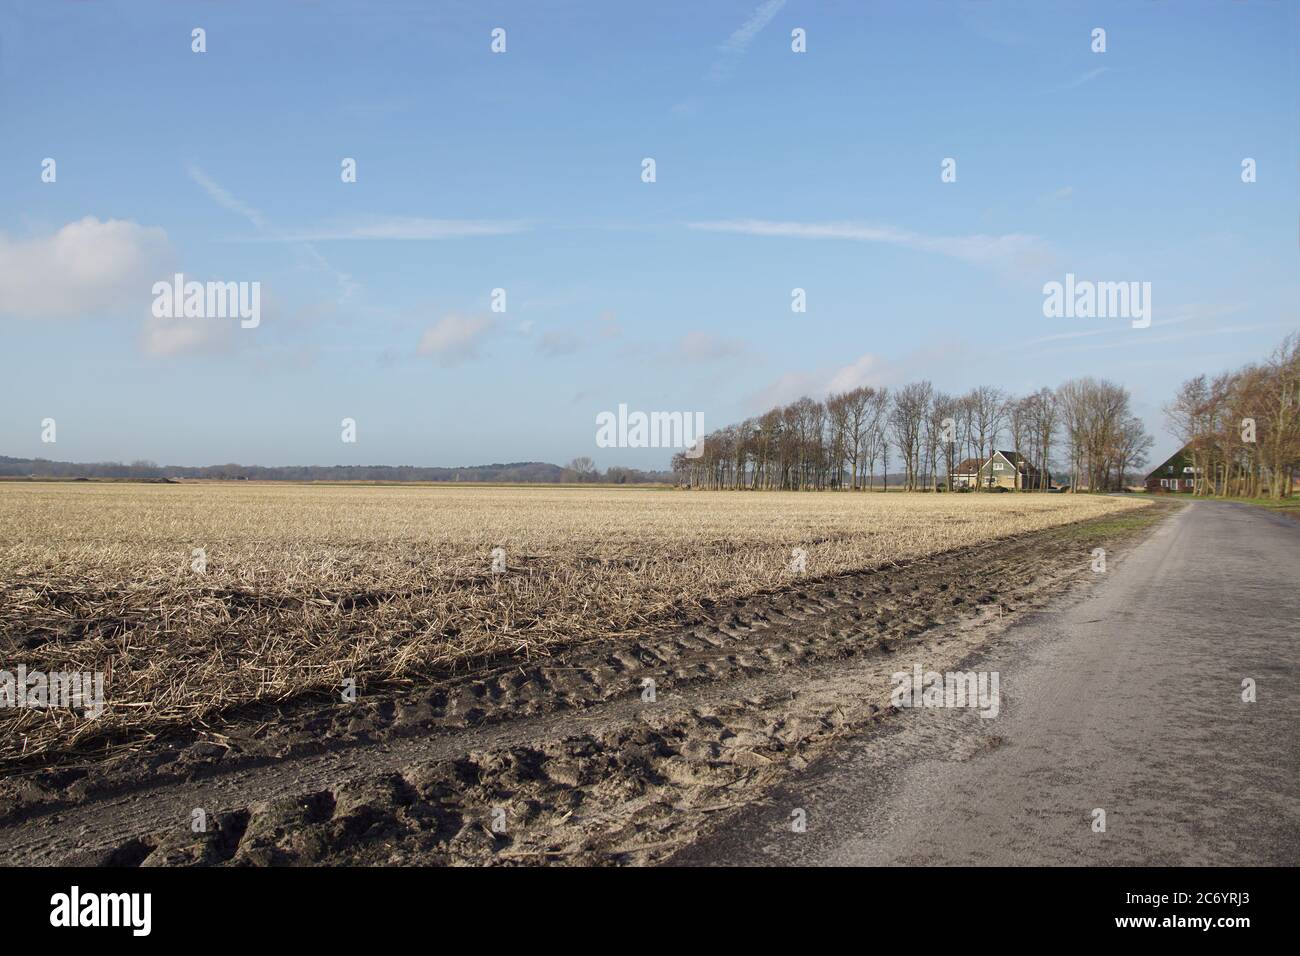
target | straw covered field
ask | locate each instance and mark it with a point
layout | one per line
(194, 599)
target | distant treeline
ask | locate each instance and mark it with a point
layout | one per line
(1242, 428)
(839, 442)
(519, 471)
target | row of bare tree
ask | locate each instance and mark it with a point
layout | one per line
(838, 443)
(1242, 428)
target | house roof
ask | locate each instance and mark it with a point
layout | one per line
(1179, 459)
(972, 466)
(1017, 461)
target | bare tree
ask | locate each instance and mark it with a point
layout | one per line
(1093, 413)
(1043, 414)
(838, 410)
(988, 413)
(940, 436)
(1132, 446)
(582, 469)
(858, 402)
(906, 422)
(1242, 428)
(875, 443)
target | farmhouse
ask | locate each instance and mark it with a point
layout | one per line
(1005, 469)
(966, 475)
(1010, 469)
(1176, 474)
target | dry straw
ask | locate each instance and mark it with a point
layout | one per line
(307, 585)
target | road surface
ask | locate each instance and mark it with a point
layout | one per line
(1127, 700)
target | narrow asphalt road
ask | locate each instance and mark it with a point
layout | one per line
(1127, 700)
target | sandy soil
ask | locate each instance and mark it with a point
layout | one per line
(1124, 697)
(563, 760)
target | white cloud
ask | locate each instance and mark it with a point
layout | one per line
(87, 266)
(864, 370)
(455, 338)
(211, 335)
(867, 369)
(1010, 253)
(165, 337)
(91, 267)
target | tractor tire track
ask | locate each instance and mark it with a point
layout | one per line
(560, 760)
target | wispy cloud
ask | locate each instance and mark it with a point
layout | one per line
(1012, 253)
(1180, 316)
(733, 49)
(565, 341)
(267, 231)
(403, 228)
(698, 347)
(1141, 340)
(557, 342)
(223, 198)
(1079, 81)
(389, 227)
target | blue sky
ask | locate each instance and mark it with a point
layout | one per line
(522, 171)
